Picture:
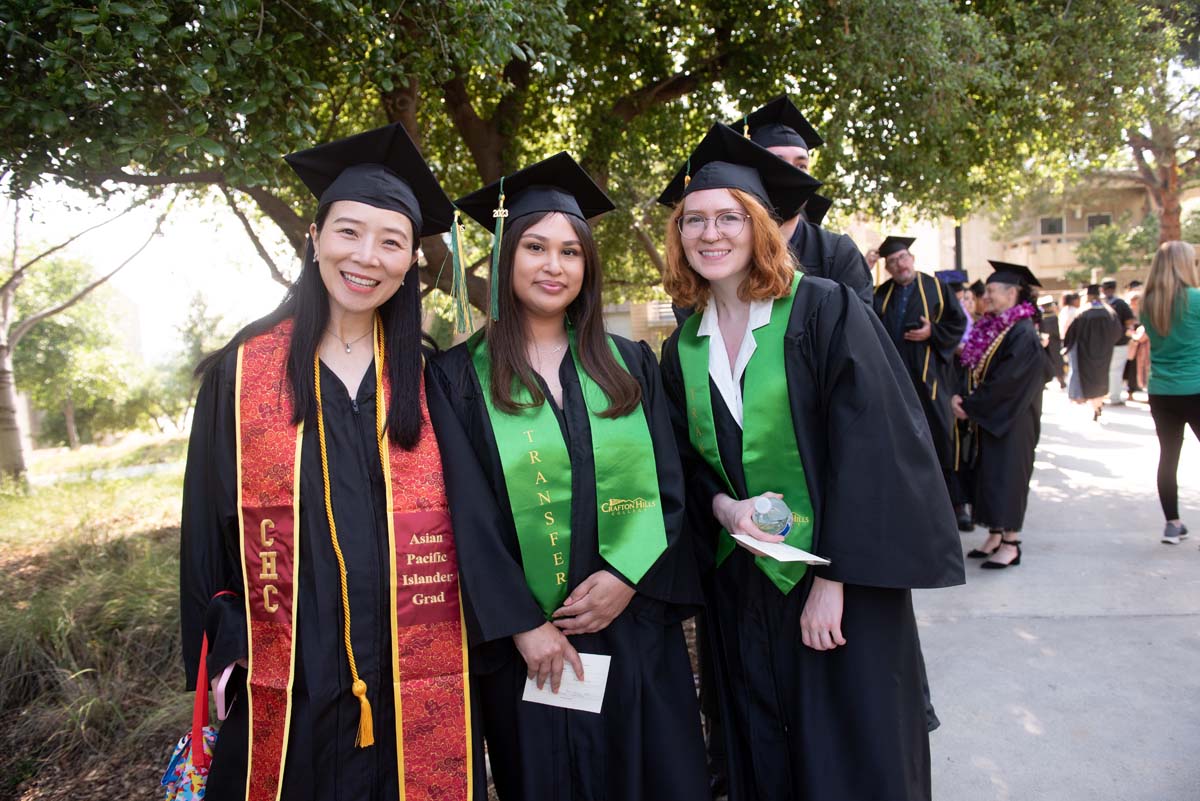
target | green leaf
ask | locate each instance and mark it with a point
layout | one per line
(123, 9)
(242, 46)
(212, 147)
(198, 84)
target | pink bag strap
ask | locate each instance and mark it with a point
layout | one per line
(200, 758)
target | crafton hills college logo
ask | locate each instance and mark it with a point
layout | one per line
(626, 506)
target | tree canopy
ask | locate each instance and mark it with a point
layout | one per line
(931, 105)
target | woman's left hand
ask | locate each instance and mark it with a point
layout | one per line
(594, 604)
(821, 620)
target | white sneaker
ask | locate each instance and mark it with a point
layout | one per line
(1173, 534)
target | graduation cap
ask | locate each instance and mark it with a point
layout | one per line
(895, 244)
(725, 159)
(1045, 300)
(557, 184)
(977, 288)
(955, 279)
(780, 124)
(1092, 289)
(816, 208)
(381, 168)
(1107, 282)
(1015, 274)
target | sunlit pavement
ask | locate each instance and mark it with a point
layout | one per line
(1075, 675)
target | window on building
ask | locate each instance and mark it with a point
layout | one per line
(1097, 220)
(1052, 226)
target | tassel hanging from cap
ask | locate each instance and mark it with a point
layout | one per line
(687, 176)
(500, 213)
(746, 126)
(458, 289)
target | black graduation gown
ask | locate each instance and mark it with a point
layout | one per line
(322, 761)
(646, 743)
(935, 385)
(1093, 334)
(1048, 325)
(1007, 412)
(823, 254)
(850, 723)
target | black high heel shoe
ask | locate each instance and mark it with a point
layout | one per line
(979, 553)
(997, 565)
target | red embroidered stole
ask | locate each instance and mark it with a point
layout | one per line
(429, 650)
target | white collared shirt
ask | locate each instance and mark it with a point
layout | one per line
(729, 381)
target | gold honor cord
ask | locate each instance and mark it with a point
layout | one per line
(366, 724)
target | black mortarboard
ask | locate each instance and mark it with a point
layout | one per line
(1006, 273)
(381, 168)
(554, 184)
(955, 279)
(1107, 282)
(1092, 289)
(977, 288)
(725, 159)
(816, 208)
(894, 244)
(780, 123)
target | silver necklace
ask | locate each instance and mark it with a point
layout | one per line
(351, 342)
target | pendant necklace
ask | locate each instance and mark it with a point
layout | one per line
(351, 342)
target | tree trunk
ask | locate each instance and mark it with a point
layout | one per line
(12, 454)
(1171, 227)
(72, 431)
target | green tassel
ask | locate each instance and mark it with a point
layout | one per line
(746, 126)
(458, 290)
(500, 213)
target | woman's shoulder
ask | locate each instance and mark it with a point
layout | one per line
(451, 365)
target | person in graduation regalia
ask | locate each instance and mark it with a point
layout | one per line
(961, 478)
(1003, 401)
(781, 128)
(926, 324)
(318, 572)
(783, 383)
(1089, 342)
(568, 503)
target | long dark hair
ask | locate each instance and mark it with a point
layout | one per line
(506, 336)
(307, 305)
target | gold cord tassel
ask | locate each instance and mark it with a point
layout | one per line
(366, 725)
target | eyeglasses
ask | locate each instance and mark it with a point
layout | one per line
(727, 223)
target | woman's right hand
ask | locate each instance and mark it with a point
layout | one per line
(544, 650)
(737, 517)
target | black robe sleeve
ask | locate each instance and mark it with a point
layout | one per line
(885, 518)
(703, 483)
(947, 333)
(850, 269)
(208, 557)
(498, 601)
(1017, 373)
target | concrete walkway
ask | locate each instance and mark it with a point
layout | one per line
(1076, 675)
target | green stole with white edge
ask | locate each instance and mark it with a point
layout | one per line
(770, 457)
(537, 474)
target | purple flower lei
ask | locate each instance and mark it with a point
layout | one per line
(988, 328)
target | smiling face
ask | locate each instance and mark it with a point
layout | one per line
(548, 266)
(364, 253)
(721, 252)
(900, 267)
(793, 154)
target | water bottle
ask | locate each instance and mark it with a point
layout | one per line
(772, 516)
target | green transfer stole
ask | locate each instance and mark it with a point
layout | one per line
(537, 475)
(770, 457)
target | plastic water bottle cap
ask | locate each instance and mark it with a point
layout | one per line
(762, 505)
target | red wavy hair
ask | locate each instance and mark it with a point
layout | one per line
(771, 262)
